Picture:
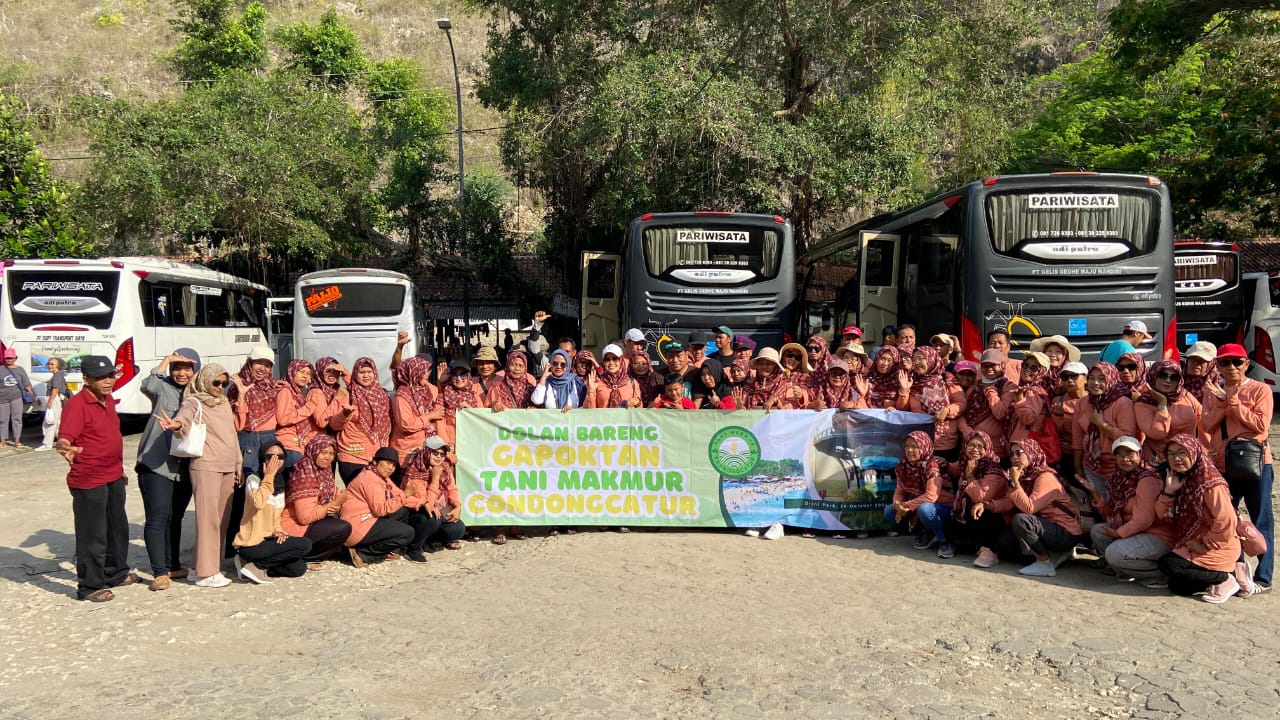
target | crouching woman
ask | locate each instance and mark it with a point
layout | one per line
(429, 486)
(263, 548)
(375, 508)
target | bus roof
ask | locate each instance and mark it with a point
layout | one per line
(373, 274)
(710, 216)
(154, 268)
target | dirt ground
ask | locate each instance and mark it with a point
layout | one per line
(643, 625)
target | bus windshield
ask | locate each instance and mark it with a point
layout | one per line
(353, 299)
(740, 253)
(1082, 225)
(50, 296)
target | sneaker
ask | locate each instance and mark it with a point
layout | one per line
(415, 555)
(1260, 588)
(775, 532)
(1157, 584)
(1222, 592)
(925, 540)
(43, 448)
(946, 550)
(1039, 569)
(863, 535)
(986, 559)
(217, 580)
(250, 572)
(1244, 577)
(891, 533)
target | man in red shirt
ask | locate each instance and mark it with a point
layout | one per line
(89, 438)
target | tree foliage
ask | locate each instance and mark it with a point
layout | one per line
(35, 214)
(217, 41)
(329, 51)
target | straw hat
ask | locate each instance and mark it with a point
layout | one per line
(804, 355)
(1039, 344)
(768, 355)
(485, 354)
(853, 348)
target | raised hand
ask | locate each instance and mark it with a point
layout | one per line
(402, 338)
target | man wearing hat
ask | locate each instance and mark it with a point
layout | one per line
(743, 348)
(677, 359)
(851, 334)
(699, 344)
(1135, 331)
(723, 345)
(634, 342)
(90, 440)
(484, 367)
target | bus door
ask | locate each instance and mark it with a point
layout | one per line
(601, 299)
(280, 329)
(878, 293)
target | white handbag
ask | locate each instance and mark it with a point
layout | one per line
(190, 445)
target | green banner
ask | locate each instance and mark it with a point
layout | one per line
(670, 468)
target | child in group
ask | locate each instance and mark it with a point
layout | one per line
(672, 396)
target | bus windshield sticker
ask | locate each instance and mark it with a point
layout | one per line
(1195, 260)
(1076, 250)
(713, 236)
(323, 297)
(1077, 326)
(204, 290)
(1192, 338)
(1073, 201)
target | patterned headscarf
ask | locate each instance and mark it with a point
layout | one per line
(1156, 368)
(1188, 512)
(884, 386)
(913, 477)
(819, 374)
(295, 367)
(760, 390)
(259, 396)
(318, 379)
(930, 388)
(988, 464)
(373, 407)
(514, 389)
(1037, 463)
(309, 479)
(1141, 383)
(1094, 447)
(1123, 486)
(408, 380)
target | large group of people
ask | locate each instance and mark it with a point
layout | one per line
(1028, 458)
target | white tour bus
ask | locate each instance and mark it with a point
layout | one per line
(133, 310)
(348, 313)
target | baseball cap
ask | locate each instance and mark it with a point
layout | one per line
(1204, 350)
(97, 366)
(387, 453)
(966, 366)
(1137, 326)
(462, 365)
(1126, 441)
(435, 442)
(1232, 350)
(724, 330)
(742, 342)
(699, 337)
(851, 330)
(672, 346)
(837, 364)
(1075, 368)
(634, 335)
(10, 353)
(991, 355)
(611, 349)
(262, 352)
(888, 330)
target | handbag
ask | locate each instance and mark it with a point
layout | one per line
(1243, 459)
(1250, 538)
(28, 397)
(190, 445)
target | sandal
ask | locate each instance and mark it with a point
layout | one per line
(808, 534)
(519, 536)
(499, 539)
(99, 596)
(455, 545)
(553, 533)
(130, 579)
(315, 567)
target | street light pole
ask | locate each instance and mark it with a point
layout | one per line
(446, 26)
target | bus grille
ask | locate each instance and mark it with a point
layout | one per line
(660, 302)
(1030, 285)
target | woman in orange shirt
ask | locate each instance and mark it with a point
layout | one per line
(981, 482)
(890, 384)
(456, 392)
(917, 496)
(1165, 409)
(514, 386)
(415, 410)
(1043, 517)
(363, 423)
(1101, 417)
(1206, 551)
(932, 395)
(1134, 536)
(430, 489)
(298, 404)
(312, 501)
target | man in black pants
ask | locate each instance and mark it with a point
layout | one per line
(90, 440)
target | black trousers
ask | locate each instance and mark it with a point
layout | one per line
(389, 534)
(1188, 578)
(327, 536)
(427, 529)
(102, 537)
(234, 517)
(279, 559)
(165, 503)
(348, 471)
(1041, 536)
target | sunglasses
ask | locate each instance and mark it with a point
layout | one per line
(1068, 376)
(814, 348)
(219, 383)
(559, 364)
(1126, 367)
(1233, 362)
(1169, 376)
(440, 452)
(276, 456)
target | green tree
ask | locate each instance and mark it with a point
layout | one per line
(328, 51)
(35, 214)
(217, 41)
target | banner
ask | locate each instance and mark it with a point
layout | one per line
(823, 469)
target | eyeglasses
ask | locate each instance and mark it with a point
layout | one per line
(1233, 362)
(1127, 367)
(559, 364)
(219, 383)
(1016, 452)
(1169, 376)
(1179, 454)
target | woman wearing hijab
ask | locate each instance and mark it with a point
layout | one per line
(890, 385)
(559, 388)
(931, 395)
(641, 370)
(253, 398)
(457, 392)
(819, 357)
(987, 400)
(1200, 371)
(432, 493)
(514, 386)
(216, 472)
(1165, 409)
(330, 379)
(614, 387)
(769, 388)
(711, 391)
(1101, 417)
(263, 548)
(1043, 517)
(919, 497)
(298, 405)
(1206, 549)
(838, 389)
(313, 502)
(1132, 371)
(415, 409)
(981, 482)
(163, 478)
(1133, 536)
(363, 423)
(1029, 405)
(380, 522)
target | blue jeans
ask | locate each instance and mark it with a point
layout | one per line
(251, 444)
(931, 515)
(1257, 500)
(165, 503)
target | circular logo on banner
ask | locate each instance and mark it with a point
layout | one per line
(734, 451)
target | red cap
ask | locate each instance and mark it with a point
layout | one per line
(851, 330)
(1232, 350)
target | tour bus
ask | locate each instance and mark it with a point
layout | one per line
(134, 310)
(678, 272)
(1076, 254)
(1210, 303)
(348, 313)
